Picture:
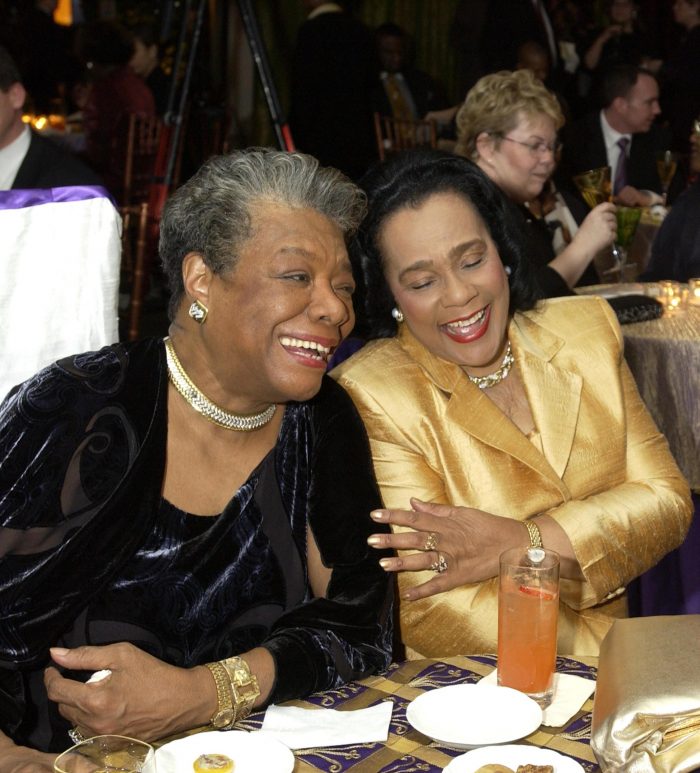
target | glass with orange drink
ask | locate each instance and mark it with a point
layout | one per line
(528, 608)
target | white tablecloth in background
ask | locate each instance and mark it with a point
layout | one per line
(59, 270)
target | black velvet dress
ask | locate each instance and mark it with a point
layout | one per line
(91, 554)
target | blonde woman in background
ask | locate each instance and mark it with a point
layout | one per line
(508, 126)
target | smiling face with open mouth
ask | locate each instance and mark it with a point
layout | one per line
(276, 317)
(448, 280)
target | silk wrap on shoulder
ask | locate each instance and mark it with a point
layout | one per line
(646, 715)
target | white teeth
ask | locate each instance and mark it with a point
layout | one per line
(467, 322)
(303, 343)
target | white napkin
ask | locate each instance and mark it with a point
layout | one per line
(570, 693)
(312, 728)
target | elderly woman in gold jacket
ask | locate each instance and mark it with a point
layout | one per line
(496, 419)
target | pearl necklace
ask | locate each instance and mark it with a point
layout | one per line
(202, 404)
(484, 382)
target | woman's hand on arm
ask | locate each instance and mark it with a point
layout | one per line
(21, 759)
(469, 540)
(597, 232)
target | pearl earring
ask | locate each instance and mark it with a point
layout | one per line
(397, 314)
(508, 270)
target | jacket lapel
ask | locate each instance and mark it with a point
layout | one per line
(553, 392)
(554, 395)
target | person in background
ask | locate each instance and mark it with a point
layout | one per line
(191, 513)
(507, 25)
(333, 72)
(508, 126)
(145, 62)
(28, 160)
(623, 135)
(402, 90)
(534, 57)
(495, 420)
(42, 49)
(680, 74)
(675, 251)
(622, 41)
(115, 92)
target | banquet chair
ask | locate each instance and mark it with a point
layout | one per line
(142, 143)
(396, 134)
(139, 239)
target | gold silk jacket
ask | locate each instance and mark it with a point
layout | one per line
(605, 473)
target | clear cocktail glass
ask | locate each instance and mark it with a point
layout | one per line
(528, 610)
(107, 754)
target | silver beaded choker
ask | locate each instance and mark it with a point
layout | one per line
(484, 382)
(202, 404)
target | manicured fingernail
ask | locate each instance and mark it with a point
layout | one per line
(377, 515)
(374, 540)
(385, 563)
(407, 595)
(59, 651)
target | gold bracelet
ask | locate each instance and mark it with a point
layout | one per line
(535, 534)
(244, 686)
(225, 715)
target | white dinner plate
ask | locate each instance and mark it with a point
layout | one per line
(511, 756)
(467, 715)
(250, 752)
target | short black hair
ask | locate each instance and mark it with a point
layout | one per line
(407, 180)
(9, 72)
(619, 80)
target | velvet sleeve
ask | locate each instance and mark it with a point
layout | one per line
(626, 529)
(347, 634)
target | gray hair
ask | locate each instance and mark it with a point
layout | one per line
(211, 213)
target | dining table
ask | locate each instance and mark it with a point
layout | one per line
(406, 749)
(663, 355)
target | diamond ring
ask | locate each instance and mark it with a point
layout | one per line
(440, 565)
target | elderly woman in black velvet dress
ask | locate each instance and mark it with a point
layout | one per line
(192, 511)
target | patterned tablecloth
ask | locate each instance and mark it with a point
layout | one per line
(407, 750)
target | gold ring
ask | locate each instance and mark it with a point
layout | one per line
(431, 542)
(440, 565)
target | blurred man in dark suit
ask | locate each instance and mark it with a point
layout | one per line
(28, 160)
(624, 136)
(332, 77)
(402, 91)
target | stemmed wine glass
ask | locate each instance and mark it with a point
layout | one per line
(627, 222)
(595, 187)
(666, 165)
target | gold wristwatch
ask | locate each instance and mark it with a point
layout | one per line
(225, 714)
(244, 686)
(535, 534)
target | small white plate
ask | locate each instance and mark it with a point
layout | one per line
(468, 715)
(512, 756)
(250, 752)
